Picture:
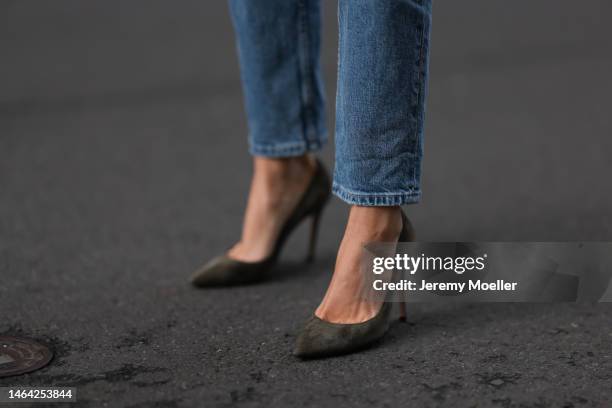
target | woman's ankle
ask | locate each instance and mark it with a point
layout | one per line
(284, 168)
(379, 223)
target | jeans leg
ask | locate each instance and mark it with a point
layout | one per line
(380, 103)
(278, 48)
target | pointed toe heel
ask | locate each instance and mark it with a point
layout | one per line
(225, 271)
(314, 235)
(320, 339)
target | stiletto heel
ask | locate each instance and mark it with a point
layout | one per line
(225, 271)
(407, 235)
(320, 338)
(314, 234)
(402, 308)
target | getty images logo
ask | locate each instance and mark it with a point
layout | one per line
(413, 264)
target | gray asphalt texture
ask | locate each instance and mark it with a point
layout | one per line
(123, 166)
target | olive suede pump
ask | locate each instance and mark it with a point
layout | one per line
(225, 271)
(320, 338)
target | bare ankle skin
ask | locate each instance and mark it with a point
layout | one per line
(342, 302)
(276, 188)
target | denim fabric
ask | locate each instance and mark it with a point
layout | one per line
(278, 47)
(380, 103)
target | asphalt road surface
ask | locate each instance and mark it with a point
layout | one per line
(123, 166)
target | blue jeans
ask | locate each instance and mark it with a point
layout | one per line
(380, 101)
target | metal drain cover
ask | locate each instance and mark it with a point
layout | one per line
(20, 356)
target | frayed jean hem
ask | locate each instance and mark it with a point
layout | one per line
(376, 199)
(287, 149)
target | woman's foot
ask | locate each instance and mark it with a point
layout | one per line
(342, 302)
(276, 189)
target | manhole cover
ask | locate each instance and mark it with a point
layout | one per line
(19, 356)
